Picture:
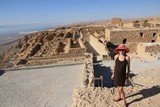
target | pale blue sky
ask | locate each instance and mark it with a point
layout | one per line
(71, 11)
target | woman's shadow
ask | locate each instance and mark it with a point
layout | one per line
(146, 93)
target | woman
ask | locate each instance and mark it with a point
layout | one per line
(122, 61)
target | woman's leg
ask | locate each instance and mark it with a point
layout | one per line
(123, 95)
(119, 92)
(118, 96)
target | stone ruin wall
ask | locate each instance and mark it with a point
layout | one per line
(148, 47)
(158, 36)
(77, 50)
(131, 25)
(85, 59)
(98, 46)
(49, 43)
(88, 71)
(68, 46)
(132, 36)
(154, 48)
(44, 45)
(116, 20)
(148, 50)
(81, 43)
(137, 24)
(82, 48)
(87, 30)
(56, 60)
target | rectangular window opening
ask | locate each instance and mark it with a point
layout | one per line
(154, 34)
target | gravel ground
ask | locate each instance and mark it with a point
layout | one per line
(45, 87)
(146, 76)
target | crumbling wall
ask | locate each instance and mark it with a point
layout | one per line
(107, 34)
(88, 71)
(56, 60)
(132, 46)
(131, 25)
(153, 48)
(85, 31)
(141, 49)
(68, 35)
(149, 51)
(50, 37)
(77, 50)
(68, 46)
(77, 47)
(116, 20)
(98, 46)
(131, 37)
(158, 36)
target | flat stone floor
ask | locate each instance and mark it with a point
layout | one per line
(44, 87)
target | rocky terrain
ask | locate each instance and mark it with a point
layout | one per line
(70, 44)
(61, 41)
(48, 44)
(145, 75)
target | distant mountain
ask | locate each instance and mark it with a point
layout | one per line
(10, 29)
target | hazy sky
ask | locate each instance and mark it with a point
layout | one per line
(71, 11)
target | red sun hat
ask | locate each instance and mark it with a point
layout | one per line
(121, 47)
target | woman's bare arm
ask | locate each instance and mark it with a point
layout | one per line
(128, 66)
(115, 57)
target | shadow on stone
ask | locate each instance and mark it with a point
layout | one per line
(111, 48)
(106, 73)
(1, 72)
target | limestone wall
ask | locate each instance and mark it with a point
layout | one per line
(107, 34)
(70, 50)
(116, 20)
(60, 59)
(77, 50)
(158, 36)
(141, 49)
(81, 43)
(61, 39)
(131, 37)
(131, 25)
(55, 60)
(155, 47)
(148, 50)
(88, 71)
(68, 35)
(68, 46)
(49, 37)
(132, 46)
(97, 45)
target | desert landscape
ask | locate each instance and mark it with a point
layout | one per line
(57, 67)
